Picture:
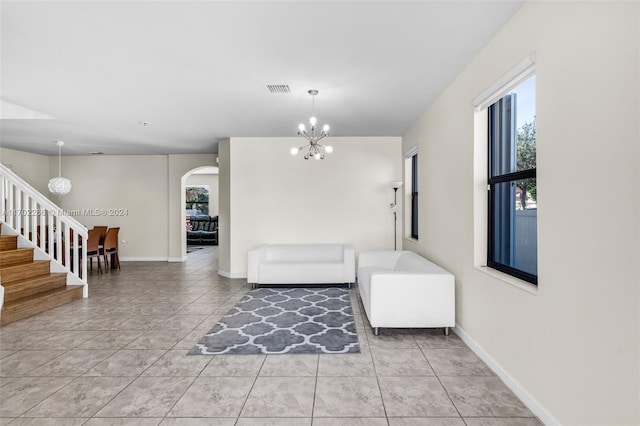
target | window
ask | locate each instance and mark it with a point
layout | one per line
(197, 198)
(512, 204)
(414, 196)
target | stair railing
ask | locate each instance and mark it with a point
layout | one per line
(43, 223)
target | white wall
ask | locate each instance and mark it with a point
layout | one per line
(136, 184)
(573, 343)
(212, 181)
(278, 198)
(224, 213)
(32, 168)
(146, 187)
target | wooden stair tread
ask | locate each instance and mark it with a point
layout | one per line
(15, 290)
(14, 257)
(20, 249)
(35, 297)
(31, 305)
(8, 242)
(21, 264)
(19, 283)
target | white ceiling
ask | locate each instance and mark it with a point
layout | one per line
(197, 70)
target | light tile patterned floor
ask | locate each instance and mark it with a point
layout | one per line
(119, 358)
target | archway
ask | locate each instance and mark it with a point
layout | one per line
(199, 176)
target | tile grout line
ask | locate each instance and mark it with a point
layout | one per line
(442, 385)
(251, 388)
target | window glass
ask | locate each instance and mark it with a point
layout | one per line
(513, 192)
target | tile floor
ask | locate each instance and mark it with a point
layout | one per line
(119, 358)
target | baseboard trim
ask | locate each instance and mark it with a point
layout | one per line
(143, 259)
(526, 398)
(177, 259)
(228, 274)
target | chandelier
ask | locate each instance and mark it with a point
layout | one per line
(314, 149)
(59, 185)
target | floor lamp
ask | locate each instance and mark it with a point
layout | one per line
(394, 207)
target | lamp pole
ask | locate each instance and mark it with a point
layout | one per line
(395, 218)
(395, 185)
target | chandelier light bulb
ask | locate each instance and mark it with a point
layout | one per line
(313, 121)
(301, 128)
(325, 128)
(328, 149)
(294, 151)
(317, 156)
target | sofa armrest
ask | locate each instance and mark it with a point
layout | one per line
(385, 259)
(349, 263)
(411, 298)
(255, 256)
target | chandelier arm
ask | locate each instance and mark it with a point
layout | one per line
(322, 136)
(306, 136)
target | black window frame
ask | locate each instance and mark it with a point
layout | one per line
(494, 180)
(414, 196)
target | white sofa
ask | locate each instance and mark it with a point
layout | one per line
(301, 264)
(401, 289)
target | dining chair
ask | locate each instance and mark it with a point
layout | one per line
(103, 233)
(110, 248)
(93, 250)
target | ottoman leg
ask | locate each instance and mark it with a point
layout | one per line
(376, 331)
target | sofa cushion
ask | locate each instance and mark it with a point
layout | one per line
(301, 272)
(415, 263)
(305, 253)
(194, 237)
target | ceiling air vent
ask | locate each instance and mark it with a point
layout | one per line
(278, 88)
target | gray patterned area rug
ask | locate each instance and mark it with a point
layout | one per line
(285, 321)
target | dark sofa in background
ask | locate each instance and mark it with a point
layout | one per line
(204, 230)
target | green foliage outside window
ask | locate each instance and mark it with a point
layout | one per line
(526, 160)
(197, 198)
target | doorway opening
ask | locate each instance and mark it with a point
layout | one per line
(200, 207)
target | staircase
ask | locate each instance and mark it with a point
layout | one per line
(43, 252)
(29, 287)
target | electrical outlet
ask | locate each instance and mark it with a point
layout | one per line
(124, 242)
